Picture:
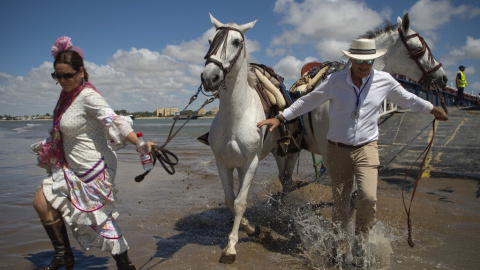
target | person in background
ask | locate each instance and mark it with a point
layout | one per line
(82, 166)
(355, 95)
(461, 83)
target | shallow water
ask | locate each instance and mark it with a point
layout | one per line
(180, 221)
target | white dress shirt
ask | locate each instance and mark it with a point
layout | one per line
(343, 95)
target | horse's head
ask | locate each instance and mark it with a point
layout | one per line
(226, 47)
(420, 66)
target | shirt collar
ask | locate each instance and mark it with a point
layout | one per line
(349, 77)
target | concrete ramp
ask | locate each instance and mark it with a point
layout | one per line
(455, 153)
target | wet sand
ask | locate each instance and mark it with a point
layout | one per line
(180, 222)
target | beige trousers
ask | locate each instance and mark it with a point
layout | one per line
(344, 165)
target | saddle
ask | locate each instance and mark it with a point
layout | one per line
(270, 88)
(312, 73)
(275, 98)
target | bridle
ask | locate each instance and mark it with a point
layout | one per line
(415, 55)
(219, 39)
(418, 53)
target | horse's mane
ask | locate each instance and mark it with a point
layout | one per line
(380, 30)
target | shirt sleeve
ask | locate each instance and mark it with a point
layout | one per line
(405, 99)
(319, 95)
(118, 127)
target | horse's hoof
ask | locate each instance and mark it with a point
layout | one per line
(266, 237)
(257, 232)
(227, 259)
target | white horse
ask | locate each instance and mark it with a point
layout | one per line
(236, 141)
(234, 138)
(407, 54)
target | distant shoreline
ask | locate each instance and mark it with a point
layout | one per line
(152, 117)
(170, 117)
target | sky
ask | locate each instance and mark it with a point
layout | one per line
(145, 54)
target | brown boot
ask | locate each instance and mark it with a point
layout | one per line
(123, 262)
(57, 232)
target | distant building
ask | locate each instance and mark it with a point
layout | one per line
(214, 110)
(164, 112)
(202, 112)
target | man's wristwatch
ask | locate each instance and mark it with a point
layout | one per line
(279, 117)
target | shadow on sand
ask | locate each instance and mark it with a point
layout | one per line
(208, 228)
(44, 258)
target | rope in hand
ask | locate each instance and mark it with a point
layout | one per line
(419, 174)
(167, 158)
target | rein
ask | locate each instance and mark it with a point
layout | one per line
(167, 158)
(416, 54)
(409, 220)
(427, 149)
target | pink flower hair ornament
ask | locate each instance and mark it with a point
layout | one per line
(64, 43)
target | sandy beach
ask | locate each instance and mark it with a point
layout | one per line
(180, 221)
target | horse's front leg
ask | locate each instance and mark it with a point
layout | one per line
(245, 177)
(286, 166)
(226, 176)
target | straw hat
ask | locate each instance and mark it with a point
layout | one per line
(364, 49)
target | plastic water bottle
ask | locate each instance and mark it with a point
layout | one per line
(145, 156)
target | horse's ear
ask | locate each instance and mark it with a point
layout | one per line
(245, 27)
(405, 23)
(214, 21)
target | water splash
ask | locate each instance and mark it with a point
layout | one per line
(327, 245)
(320, 241)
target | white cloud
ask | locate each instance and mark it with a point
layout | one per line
(276, 51)
(290, 67)
(330, 49)
(35, 93)
(472, 48)
(324, 22)
(470, 70)
(135, 80)
(190, 51)
(427, 15)
(475, 88)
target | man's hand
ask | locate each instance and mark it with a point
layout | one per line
(272, 122)
(439, 114)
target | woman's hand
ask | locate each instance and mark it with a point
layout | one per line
(132, 138)
(149, 145)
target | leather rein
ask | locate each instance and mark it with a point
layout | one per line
(417, 54)
(165, 157)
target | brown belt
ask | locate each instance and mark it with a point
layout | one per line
(337, 144)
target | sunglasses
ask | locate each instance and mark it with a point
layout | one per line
(66, 76)
(366, 61)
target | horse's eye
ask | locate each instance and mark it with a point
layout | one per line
(237, 42)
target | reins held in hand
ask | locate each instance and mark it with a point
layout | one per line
(165, 157)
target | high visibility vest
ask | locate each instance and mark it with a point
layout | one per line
(462, 82)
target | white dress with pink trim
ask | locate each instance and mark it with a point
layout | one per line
(84, 191)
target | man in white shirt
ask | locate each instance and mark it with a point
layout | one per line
(355, 95)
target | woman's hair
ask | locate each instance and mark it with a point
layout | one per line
(73, 59)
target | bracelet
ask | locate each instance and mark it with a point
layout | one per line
(280, 118)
